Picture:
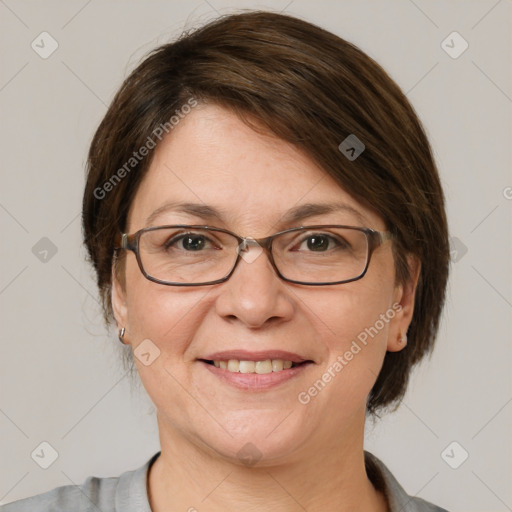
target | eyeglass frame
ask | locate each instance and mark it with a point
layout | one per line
(130, 242)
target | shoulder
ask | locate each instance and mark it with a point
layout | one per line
(93, 493)
(126, 493)
(398, 500)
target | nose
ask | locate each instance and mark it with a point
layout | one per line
(254, 294)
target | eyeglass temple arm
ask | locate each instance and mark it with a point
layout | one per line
(386, 235)
(379, 237)
(126, 243)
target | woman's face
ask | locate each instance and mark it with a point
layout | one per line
(213, 159)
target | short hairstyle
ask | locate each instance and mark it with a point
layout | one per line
(312, 89)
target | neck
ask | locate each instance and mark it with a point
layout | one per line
(188, 477)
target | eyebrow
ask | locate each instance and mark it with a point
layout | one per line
(295, 214)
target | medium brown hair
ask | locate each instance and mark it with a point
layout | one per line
(311, 88)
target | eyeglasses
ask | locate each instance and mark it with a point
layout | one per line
(184, 255)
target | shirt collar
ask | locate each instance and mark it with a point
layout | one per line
(132, 490)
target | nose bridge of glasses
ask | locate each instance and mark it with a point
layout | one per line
(247, 242)
(259, 245)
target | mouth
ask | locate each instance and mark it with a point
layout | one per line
(255, 371)
(260, 367)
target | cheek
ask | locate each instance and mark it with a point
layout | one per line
(353, 311)
(354, 324)
(163, 320)
(160, 313)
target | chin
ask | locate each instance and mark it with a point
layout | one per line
(258, 437)
(255, 452)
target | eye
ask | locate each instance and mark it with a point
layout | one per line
(317, 242)
(320, 242)
(193, 242)
(188, 242)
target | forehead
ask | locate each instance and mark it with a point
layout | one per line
(212, 158)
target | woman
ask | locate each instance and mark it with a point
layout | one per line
(267, 226)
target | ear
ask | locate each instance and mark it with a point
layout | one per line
(403, 304)
(119, 305)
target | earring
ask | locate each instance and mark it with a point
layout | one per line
(121, 334)
(402, 339)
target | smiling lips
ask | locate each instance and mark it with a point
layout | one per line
(241, 361)
(260, 367)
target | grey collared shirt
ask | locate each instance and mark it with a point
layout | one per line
(128, 493)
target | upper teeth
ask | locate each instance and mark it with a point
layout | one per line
(266, 366)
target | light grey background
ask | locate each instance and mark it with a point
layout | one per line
(61, 377)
